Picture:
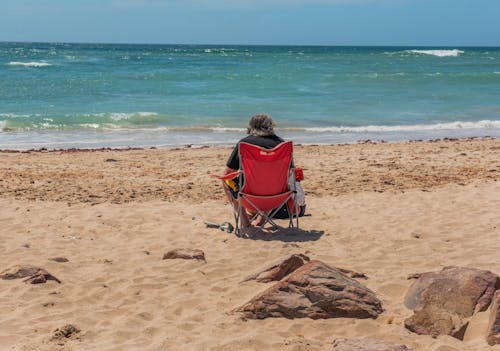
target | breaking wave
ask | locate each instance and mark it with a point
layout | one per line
(29, 64)
(118, 121)
(439, 53)
(484, 124)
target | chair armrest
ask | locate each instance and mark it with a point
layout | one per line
(226, 176)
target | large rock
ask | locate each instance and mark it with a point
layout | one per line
(493, 337)
(279, 269)
(315, 290)
(367, 344)
(444, 301)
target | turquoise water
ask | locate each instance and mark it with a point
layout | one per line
(91, 95)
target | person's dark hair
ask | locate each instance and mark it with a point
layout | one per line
(261, 125)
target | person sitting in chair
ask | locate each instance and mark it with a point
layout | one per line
(260, 132)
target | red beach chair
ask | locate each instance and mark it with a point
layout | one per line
(263, 183)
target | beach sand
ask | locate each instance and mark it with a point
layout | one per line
(386, 209)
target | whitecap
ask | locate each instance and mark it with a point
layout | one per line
(439, 53)
(29, 64)
(118, 116)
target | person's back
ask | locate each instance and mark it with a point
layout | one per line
(261, 133)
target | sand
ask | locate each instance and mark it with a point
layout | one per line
(387, 209)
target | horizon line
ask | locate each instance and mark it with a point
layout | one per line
(261, 45)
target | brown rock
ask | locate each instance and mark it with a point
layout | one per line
(352, 274)
(493, 337)
(280, 269)
(65, 332)
(186, 254)
(284, 267)
(18, 272)
(33, 275)
(444, 301)
(315, 290)
(367, 345)
(59, 259)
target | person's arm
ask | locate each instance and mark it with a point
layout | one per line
(233, 163)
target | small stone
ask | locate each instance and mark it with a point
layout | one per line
(59, 259)
(186, 254)
(33, 275)
(367, 344)
(65, 332)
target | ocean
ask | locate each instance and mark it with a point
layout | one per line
(61, 95)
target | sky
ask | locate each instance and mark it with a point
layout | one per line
(254, 22)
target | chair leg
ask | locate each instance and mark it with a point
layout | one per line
(236, 222)
(297, 218)
(237, 218)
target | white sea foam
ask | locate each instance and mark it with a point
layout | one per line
(3, 125)
(90, 125)
(457, 125)
(439, 53)
(13, 115)
(119, 116)
(29, 64)
(484, 124)
(227, 129)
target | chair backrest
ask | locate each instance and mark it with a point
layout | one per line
(265, 170)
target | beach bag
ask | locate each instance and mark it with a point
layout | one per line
(300, 196)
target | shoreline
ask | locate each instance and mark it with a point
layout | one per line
(192, 146)
(171, 139)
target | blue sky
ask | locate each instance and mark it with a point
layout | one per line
(288, 22)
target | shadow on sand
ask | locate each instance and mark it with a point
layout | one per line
(282, 234)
